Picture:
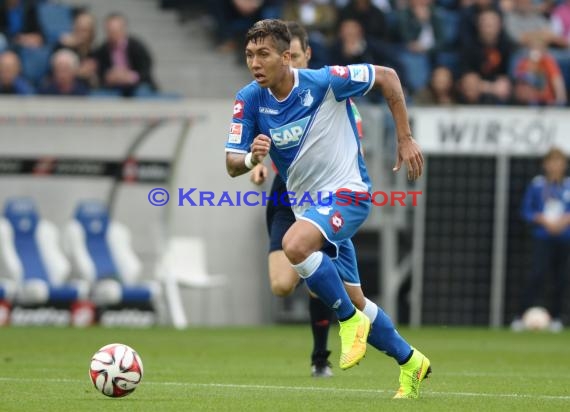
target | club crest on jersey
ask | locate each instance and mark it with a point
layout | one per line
(306, 98)
(289, 135)
(339, 71)
(336, 221)
(238, 109)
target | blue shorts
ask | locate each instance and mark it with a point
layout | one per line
(338, 223)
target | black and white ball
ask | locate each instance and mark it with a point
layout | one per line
(116, 370)
(536, 318)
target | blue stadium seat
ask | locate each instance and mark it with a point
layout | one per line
(35, 62)
(100, 250)
(32, 257)
(55, 19)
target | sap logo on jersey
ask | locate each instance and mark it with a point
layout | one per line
(289, 135)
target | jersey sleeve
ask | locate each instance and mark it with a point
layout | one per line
(242, 128)
(351, 80)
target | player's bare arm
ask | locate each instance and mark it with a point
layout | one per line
(409, 151)
(236, 162)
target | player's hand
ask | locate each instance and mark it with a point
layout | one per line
(258, 174)
(260, 148)
(410, 154)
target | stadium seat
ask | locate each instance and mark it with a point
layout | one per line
(55, 19)
(101, 252)
(35, 62)
(32, 259)
(184, 264)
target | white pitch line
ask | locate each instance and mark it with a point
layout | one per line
(308, 388)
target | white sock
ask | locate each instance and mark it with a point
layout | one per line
(370, 310)
(308, 266)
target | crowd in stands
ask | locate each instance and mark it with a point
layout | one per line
(50, 49)
(446, 51)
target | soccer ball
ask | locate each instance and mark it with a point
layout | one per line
(116, 370)
(536, 318)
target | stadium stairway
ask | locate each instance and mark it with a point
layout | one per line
(185, 61)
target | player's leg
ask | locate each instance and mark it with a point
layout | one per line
(414, 366)
(283, 279)
(541, 263)
(560, 273)
(302, 245)
(313, 240)
(320, 317)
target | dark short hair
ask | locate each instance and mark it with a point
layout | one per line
(274, 28)
(553, 153)
(298, 32)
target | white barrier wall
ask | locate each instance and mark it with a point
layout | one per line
(491, 130)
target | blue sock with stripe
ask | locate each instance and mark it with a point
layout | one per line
(384, 336)
(323, 279)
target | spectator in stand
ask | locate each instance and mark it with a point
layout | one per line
(420, 28)
(234, 17)
(470, 90)
(19, 23)
(523, 24)
(124, 63)
(11, 81)
(439, 91)
(82, 41)
(538, 79)
(560, 20)
(489, 55)
(351, 47)
(64, 79)
(319, 17)
(469, 20)
(369, 16)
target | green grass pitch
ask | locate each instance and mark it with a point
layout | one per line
(267, 369)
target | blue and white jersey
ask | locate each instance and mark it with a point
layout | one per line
(548, 198)
(313, 131)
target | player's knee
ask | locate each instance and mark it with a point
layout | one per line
(295, 249)
(281, 287)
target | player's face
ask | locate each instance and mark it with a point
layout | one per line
(267, 65)
(299, 57)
